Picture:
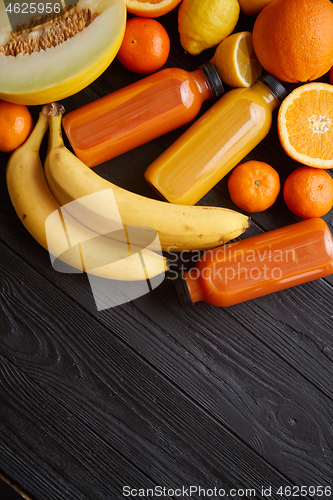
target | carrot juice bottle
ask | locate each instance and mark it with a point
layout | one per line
(139, 112)
(216, 142)
(259, 265)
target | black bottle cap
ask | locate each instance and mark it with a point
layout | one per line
(213, 79)
(274, 85)
(182, 291)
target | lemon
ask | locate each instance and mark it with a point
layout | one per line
(203, 24)
(236, 62)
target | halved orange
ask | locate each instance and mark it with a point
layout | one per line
(150, 8)
(305, 124)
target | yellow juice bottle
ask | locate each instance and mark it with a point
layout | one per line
(216, 142)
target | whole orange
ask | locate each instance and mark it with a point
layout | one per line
(145, 47)
(308, 192)
(293, 39)
(16, 124)
(254, 186)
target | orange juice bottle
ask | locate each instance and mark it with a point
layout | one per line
(139, 112)
(259, 265)
(216, 142)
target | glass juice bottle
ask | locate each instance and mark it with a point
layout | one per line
(259, 265)
(140, 112)
(216, 142)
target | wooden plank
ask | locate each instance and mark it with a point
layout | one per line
(245, 356)
(181, 358)
(93, 400)
(52, 449)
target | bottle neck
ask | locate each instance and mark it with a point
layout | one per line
(188, 289)
(202, 85)
(193, 287)
(195, 291)
(212, 79)
(270, 99)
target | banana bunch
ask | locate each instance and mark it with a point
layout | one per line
(94, 226)
(178, 227)
(63, 236)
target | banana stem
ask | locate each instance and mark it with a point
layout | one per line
(54, 112)
(53, 109)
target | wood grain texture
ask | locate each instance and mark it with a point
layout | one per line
(85, 386)
(148, 393)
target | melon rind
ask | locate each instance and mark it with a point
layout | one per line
(61, 71)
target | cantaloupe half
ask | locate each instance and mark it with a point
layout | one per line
(62, 70)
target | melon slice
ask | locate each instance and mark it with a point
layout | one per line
(44, 73)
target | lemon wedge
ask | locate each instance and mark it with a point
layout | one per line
(236, 62)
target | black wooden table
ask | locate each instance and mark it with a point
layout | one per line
(151, 400)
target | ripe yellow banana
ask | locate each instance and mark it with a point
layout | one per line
(179, 227)
(64, 237)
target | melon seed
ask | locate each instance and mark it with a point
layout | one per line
(46, 31)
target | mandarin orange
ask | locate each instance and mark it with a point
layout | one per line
(145, 47)
(254, 186)
(252, 7)
(293, 39)
(308, 192)
(15, 125)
